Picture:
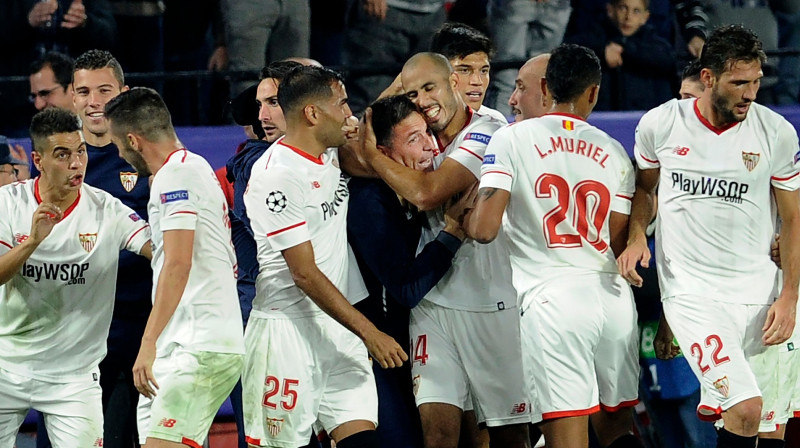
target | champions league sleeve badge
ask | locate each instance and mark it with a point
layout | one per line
(276, 201)
(128, 180)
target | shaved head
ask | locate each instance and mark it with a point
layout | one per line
(432, 61)
(527, 100)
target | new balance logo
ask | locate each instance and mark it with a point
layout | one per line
(167, 422)
(519, 408)
(98, 442)
(680, 150)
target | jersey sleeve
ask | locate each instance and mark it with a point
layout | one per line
(497, 170)
(644, 148)
(178, 202)
(472, 147)
(133, 232)
(276, 203)
(786, 171)
(622, 200)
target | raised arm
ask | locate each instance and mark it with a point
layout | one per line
(45, 218)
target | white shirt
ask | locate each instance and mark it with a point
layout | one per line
(565, 177)
(715, 220)
(292, 198)
(55, 313)
(186, 195)
(494, 113)
(480, 278)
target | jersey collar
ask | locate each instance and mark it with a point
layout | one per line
(39, 198)
(564, 114)
(470, 113)
(708, 124)
(183, 159)
(300, 152)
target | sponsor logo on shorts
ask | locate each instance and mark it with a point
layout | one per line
(167, 422)
(489, 159)
(87, 240)
(768, 416)
(174, 196)
(483, 138)
(98, 442)
(415, 381)
(128, 180)
(274, 426)
(722, 386)
(20, 238)
(519, 408)
(750, 160)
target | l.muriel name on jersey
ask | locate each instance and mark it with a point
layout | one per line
(728, 190)
(330, 208)
(574, 146)
(71, 273)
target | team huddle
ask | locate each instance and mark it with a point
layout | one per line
(504, 254)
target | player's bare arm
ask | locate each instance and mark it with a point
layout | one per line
(147, 250)
(172, 281)
(781, 315)
(618, 231)
(484, 221)
(426, 190)
(45, 218)
(307, 276)
(642, 208)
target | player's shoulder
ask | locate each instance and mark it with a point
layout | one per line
(494, 113)
(98, 198)
(769, 119)
(669, 110)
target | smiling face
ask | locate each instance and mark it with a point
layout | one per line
(47, 92)
(270, 113)
(412, 143)
(734, 90)
(472, 72)
(93, 89)
(62, 159)
(432, 91)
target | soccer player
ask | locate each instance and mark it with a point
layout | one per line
(191, 353)
(565, 188)
(719, 161)
(691, 84)
(530, 99)
(305, 358)
(472, 311)
(97, 78)
(469, 52)
(59, 250)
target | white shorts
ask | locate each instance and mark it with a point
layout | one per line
(193, 386)
(580, 346)
(718, 340)
(460, 354)
(299, 371)
(776, 371)
(73, 409)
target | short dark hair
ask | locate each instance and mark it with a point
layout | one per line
(51, 121)
(571, 70)
(278, 70)
(645, 2)
(456, 40)
(692, 71)
(99, 59)
(730, 44)
(304, 83)
(61, 65)
(142, 111)
(387, 113)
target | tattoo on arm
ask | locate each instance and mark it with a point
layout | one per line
(486, 193)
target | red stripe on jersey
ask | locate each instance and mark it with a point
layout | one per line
(796, 414)
(133, 236)
(467, 150)
(252, 441)
(708, 124)
(781, 179)
(576, 413)
(6, 244)
(39, 199)
(624, 404)
(190, 442)
(498, 172)
(646, 159)
(183, 159)
(183, 212)
(285, 229)
(630, 198)
(300, 152)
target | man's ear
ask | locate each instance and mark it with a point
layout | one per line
(384, 150)
(311, 113)
(707, 78)
(124, 89)
(594, 91)
(454, 81)
(36, 158)
(543, 87)
(134, 141)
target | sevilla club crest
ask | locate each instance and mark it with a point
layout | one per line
(128, 180)
(274, 426)
(750, 160)
(723, 386)
(87, 240)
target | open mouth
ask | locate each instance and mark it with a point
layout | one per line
(474, 95)
(95, 115)
(76, 180)
(431, 113)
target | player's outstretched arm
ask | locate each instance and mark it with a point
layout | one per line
(636, 251)
(172, 281)
(307, 276)
(45, 218)
(425, 189)
(781, 315)
(483, 222)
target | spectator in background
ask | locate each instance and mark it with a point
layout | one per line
(11, 164)
(140, 31)
(469, 52)
(638, 66)
(691, 85)
(51, 81)
(521, 29)
(382, 33)
(530, 100)
(260, 31)
(787, 14)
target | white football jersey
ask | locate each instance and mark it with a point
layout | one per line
(494, 113)
(186, 195)
(565, 177)
(715, 220)
(55, 313)
(292, 198)
(480, 278)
